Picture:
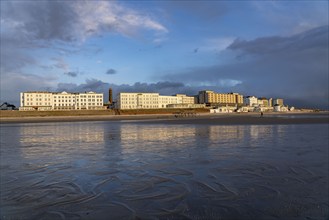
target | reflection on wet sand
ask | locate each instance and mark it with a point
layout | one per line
(56, 140)
(132, 171)
(136, 139)
(226, 133)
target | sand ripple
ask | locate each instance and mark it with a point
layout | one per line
(143, 171)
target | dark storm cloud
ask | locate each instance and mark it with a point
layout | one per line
(167, 85)
(11, 85)
(295, 68)
(164, 88)
(28, 25)
(315, 38)
(72, 74)
(41, 20)
(111, 71)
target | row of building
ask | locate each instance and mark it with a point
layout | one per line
(264, 102)
(155, 101)
(44, 101)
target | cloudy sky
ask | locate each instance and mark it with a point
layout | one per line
(262, 48)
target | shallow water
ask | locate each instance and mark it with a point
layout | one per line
(128, 170)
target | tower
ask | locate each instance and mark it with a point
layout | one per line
(110, 96)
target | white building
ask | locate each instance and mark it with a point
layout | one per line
(166, 100)
(278, 102)
(137, 100)
(184, 99)
(150, 100)
(279, 108)
(251, 101)
(43, 101)
(223, 109)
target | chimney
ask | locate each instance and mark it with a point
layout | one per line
(110, 96)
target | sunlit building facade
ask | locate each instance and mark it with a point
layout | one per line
(251, 101)
(150, 100)
(184, 99)
(278, 102)
(46, 101)
(210, 97)
(263, 102)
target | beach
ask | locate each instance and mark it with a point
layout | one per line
(198, 118)
(163, 167)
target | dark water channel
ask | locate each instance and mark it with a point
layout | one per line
(127, 170)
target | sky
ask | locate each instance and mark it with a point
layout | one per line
(273, 49)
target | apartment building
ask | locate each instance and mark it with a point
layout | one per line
(278, 102)
(150, 100)
(210, 97)
(184, 99)
(264, 102)
(166, 100)
(138, 101)
(251, 101)
(44, 101)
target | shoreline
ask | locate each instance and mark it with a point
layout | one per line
(201, 118)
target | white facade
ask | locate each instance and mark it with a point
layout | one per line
(279, 108)
(43, 101)
(251, 101)
(278, 102)
(166, 100)
(150, 100)
(223, 109)
(184, 99)
(138, 100)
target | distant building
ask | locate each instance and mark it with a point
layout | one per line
(251, 101)
(110, 96)
(44, 101)
(223, 109)
(263, 102)
(278, 102)
(166, 100)
(280, 108)
(150, 100)
(210, 97)
(186, 105)
(184, 99)
(270, 102)
(7, 106)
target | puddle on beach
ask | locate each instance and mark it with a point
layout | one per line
(116, 170)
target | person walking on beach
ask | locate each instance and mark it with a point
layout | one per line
(261, 114)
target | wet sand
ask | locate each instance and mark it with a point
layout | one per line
(132, 170)
(224, 119)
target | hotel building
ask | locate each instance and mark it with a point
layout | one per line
(210, 97)
(44, 101)
(151, 100)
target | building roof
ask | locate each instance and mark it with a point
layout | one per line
(64, 92)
